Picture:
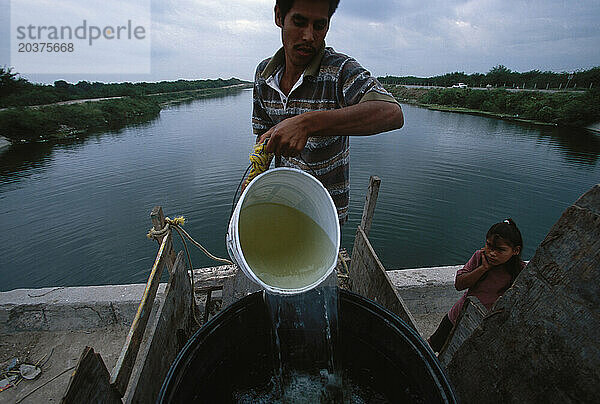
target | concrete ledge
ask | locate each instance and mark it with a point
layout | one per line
(594, 128)
(428, 293)
(427, 290)
(72, 308)
(4, 142)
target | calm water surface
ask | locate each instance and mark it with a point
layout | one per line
(78, 213)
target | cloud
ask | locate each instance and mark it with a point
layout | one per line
(427, 38)
(215, 38)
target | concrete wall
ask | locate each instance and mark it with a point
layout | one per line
(428, 293)
(4, 142)
(594, 128)
(73, 308)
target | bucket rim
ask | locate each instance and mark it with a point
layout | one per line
(235, 234)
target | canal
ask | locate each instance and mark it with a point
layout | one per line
(77, 213)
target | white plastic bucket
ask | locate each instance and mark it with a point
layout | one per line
(298, 190)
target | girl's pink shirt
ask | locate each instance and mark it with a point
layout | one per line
(487, 290)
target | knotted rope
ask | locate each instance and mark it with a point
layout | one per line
(259, 160)
(176, 224)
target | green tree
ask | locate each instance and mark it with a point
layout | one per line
(498, 75)
(10, 83)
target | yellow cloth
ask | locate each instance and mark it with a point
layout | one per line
(260, 161)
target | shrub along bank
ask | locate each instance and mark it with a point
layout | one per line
(577, 109)
(502, 76)
(18, 91)
(61, 121)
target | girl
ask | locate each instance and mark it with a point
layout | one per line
(490, 271)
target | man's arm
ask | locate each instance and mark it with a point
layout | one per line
(289, 137)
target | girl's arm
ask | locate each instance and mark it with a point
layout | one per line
(466, 280)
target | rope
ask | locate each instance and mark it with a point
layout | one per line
(204, 250)
(259, 163)
(42, 385)
(344, 263)
(260, 160)
(190, 274)
(176, 224)
(237, 190)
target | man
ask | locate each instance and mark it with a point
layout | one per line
(308, 99)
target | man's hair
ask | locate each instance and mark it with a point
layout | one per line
(286, 5)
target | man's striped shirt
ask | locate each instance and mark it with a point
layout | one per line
(331, 81)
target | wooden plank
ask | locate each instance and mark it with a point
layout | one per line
(369, 278)
(370, 202)
(468, 320)
(368, 211)
(158, 223)
(237, 287)
(540, 341)
(122, 370)
(90, 382)
(173, 327)
(213, 278)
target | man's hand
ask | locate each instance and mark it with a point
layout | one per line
(287, 138)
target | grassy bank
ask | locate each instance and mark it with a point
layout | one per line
(188, 95)
(576, 109)
(502, 76)
(18, 91)
(63, 121)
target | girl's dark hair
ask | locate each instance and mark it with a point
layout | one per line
(286, 5)
(508, 232)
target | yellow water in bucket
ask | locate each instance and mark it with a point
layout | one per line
(284, 232)
(283, 246)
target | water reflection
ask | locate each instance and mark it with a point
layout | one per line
(194, 97)
(21, 160)
(21, 157)
(576, 145)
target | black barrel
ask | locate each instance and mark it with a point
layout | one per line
(234, 351)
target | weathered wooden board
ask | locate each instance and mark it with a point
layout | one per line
(124, 366)
(158, 223)
(90, 383)
(207, 279)
(368, 278)
(469, 319)
(237, 287)
(542, 342)
(370, 203)
(166, 337)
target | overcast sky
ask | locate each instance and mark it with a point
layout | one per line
(197, 39)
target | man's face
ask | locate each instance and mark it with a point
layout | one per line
(303, 30)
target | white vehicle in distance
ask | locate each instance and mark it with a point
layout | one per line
(460, 85)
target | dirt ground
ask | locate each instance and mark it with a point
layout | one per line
(56, 352)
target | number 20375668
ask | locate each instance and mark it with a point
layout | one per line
(49, 47)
